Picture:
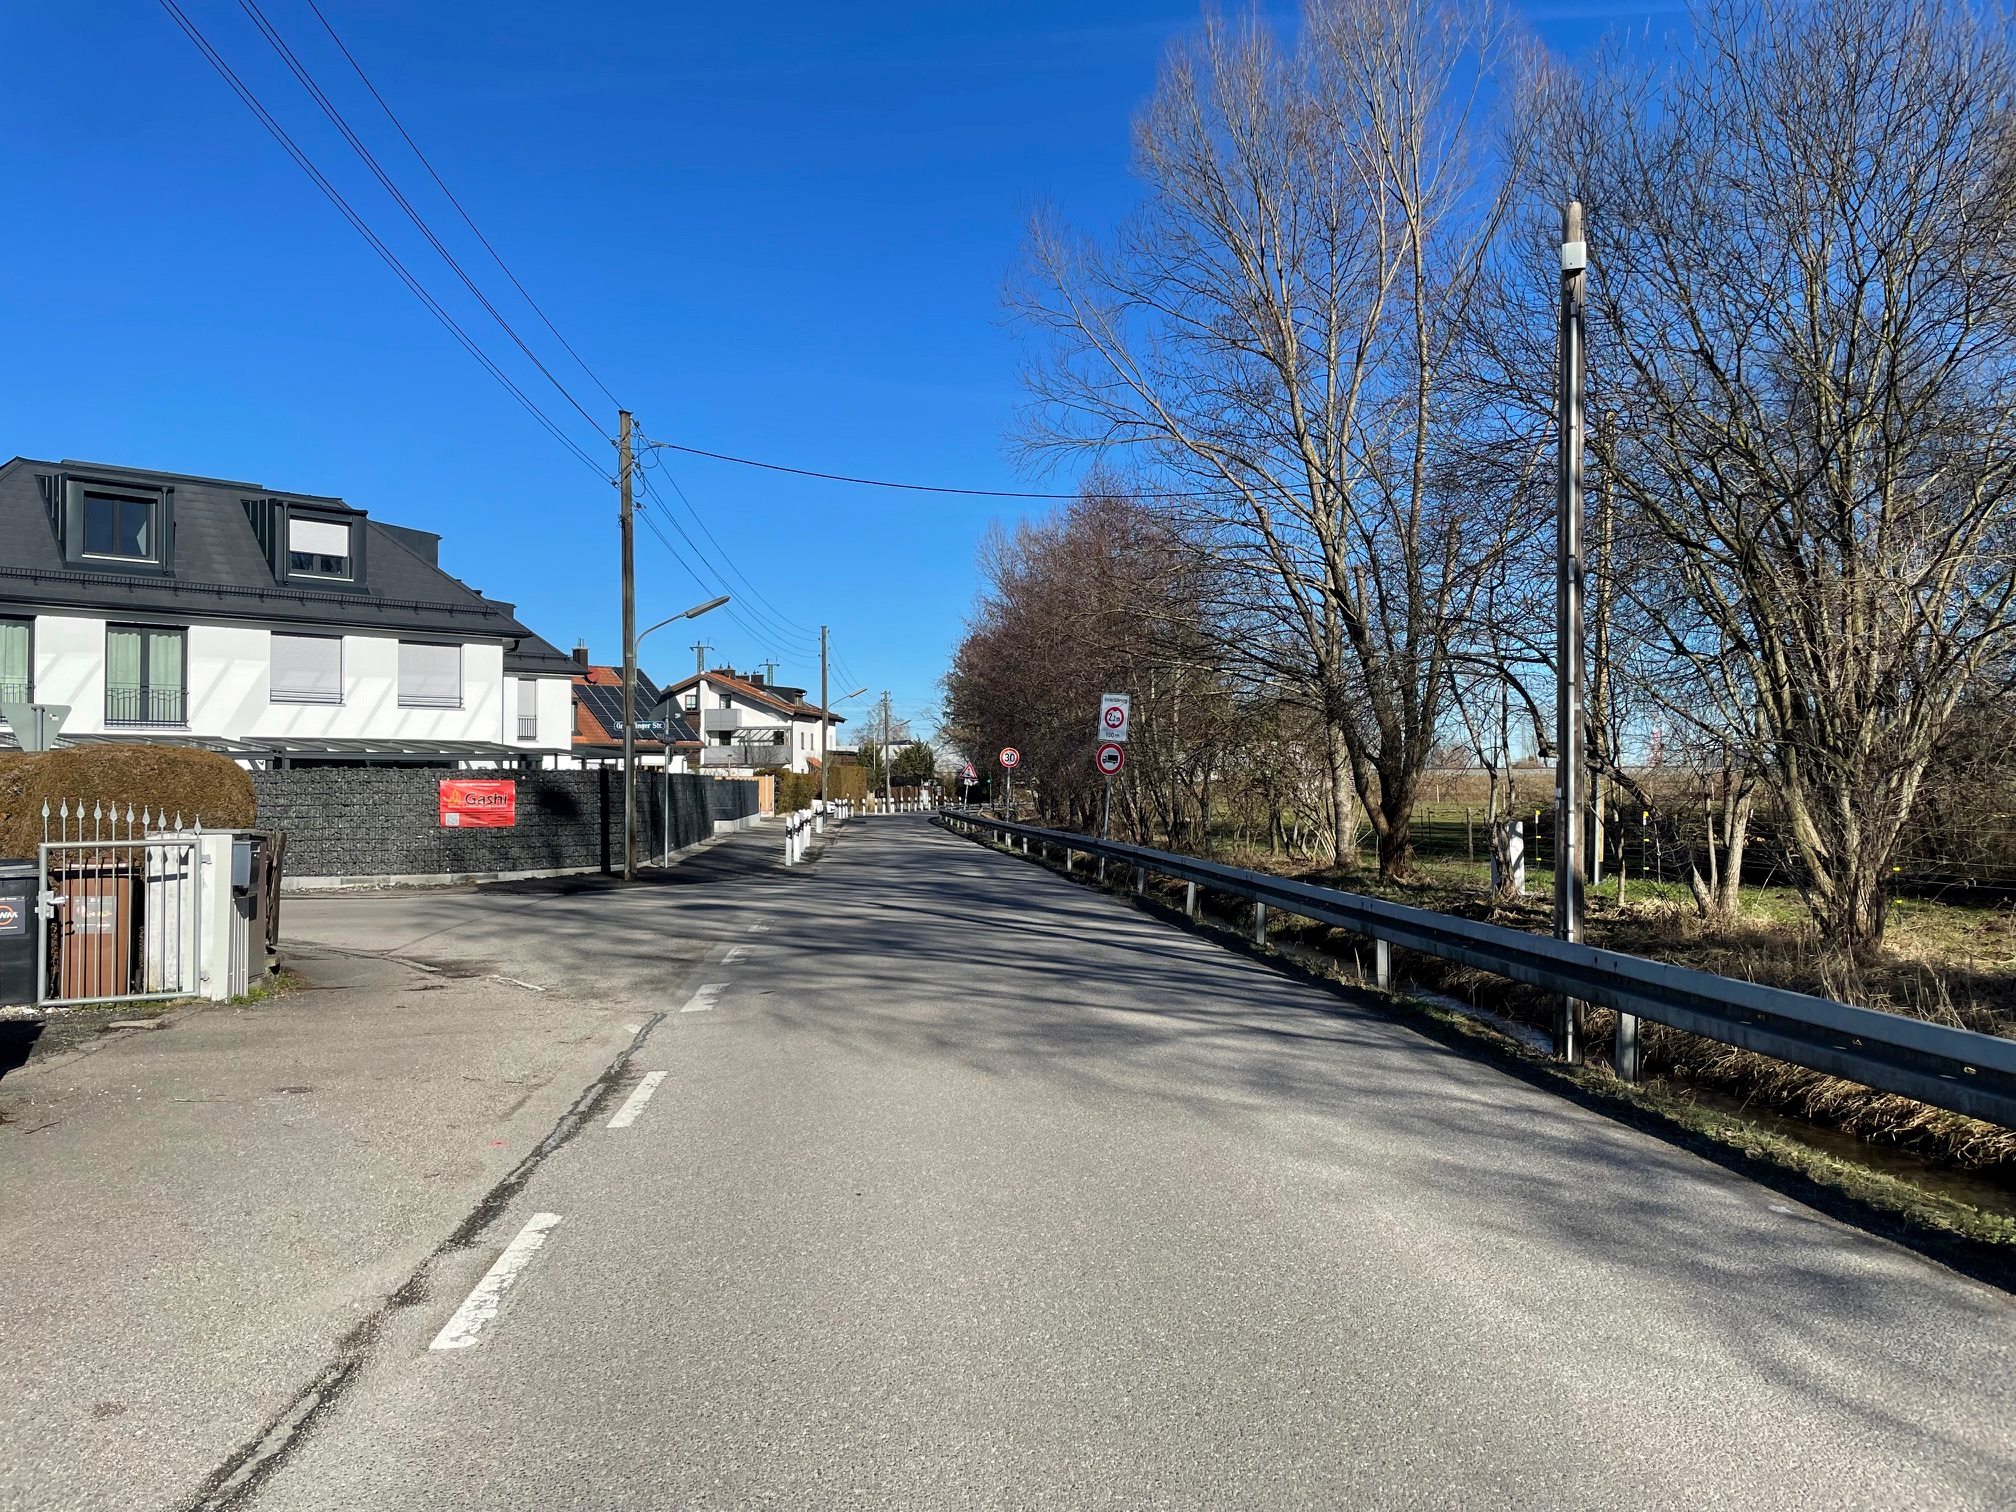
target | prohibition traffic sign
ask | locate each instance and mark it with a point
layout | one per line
(1010, 757)
(1110, 758)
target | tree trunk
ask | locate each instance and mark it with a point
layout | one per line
(1343, 806)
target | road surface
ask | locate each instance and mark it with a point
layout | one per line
(928, 1179)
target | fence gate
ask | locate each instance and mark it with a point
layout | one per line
(120, 907)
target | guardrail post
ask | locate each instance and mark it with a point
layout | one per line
(1626, 1054)
(1140, 879)
(1259, 922)
(1070, 860)
(1102, 868)
(1190, 901)
(1382, 965)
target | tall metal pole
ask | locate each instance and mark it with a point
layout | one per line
(1568, 758)
(629, 645)
(825, 720)
(887, 798)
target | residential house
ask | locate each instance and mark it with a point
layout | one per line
(747, 724)
(275, 626)
(598, 720)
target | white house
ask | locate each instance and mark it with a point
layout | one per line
(276, 627)
(747, 725)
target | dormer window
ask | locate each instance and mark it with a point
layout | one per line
(319, 548)
(115, 527)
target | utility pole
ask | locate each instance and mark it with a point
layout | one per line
(1568, 759)
(825, 722)
(769, 671)
(886, 796)
(625, 515)
(700, 650)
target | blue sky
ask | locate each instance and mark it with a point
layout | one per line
(779, 232)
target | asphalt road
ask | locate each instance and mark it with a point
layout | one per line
(936, 1181)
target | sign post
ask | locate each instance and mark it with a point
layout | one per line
(1010, 759)
(1109, 758)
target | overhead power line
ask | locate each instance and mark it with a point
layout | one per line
(729, 561)
(449, 195)
(831, 477)
(371, 238)
(357, 145)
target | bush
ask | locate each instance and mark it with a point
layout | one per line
(199, 785)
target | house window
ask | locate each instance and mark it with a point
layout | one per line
(17, 662)
(528, 709)
(122, 527)
(318, 548)
(691, 702)
(430, 675)
(146, 675)
(307, 669)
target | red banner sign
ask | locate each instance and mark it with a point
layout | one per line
(479, 803)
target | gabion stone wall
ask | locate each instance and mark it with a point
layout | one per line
(366, 822)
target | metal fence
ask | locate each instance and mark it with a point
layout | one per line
(120, 906)
(1956, 1069)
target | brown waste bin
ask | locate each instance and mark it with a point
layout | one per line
(95, 925)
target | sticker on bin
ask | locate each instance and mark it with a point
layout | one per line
(13, 916)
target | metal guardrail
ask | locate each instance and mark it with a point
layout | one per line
(1956, 1069)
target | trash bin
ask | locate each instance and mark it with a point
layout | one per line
(17, 932)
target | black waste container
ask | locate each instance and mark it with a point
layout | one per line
(17, 932)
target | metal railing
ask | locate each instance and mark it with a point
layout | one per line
(746, 754)
(128, 703)
(1956, 1069)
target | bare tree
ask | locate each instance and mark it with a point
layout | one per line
(1802, 289)
(1274, 334)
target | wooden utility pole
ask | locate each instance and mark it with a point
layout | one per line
(626, 516)
(1568, 759)
(825, 722)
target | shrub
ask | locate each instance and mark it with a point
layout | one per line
(199, 785)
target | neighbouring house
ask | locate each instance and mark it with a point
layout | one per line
(598, 720)
(749, 725)
(281, 628)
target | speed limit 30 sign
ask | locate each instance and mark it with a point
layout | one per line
(1110, 758)
(1010, 757)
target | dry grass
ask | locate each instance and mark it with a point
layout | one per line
(1942, 962)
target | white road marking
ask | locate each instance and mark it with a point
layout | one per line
(703, 1000)
(480, 1306)
(736, 953)
(528, 986)
(758, 926)
(627, 1114)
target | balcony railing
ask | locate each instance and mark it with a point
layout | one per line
(14, 690)
(528, 726)
(727, 721)
(765, 754)
(129, 705)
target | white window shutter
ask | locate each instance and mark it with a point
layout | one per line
(430, 676)
(319, 537)
(307, 669)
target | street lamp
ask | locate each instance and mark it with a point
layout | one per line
(630, 732)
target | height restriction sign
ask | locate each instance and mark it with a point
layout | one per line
(1110, 758)
(1115, 711)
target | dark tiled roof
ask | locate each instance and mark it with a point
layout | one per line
(220, 570)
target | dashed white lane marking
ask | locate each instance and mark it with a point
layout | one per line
(634, 1104)
(736, 953)
(481, 1305)
(758, 926)
(703, 1000)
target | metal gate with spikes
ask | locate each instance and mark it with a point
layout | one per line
(119, 905)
